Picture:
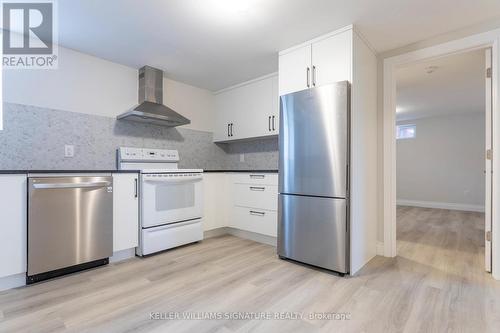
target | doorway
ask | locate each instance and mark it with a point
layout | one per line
(441, 139)
(390, 66)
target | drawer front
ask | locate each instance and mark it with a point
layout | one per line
(256, 196)
(255, 220)
(256, 178)
(171, 235)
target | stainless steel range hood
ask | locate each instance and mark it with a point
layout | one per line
(151, 109)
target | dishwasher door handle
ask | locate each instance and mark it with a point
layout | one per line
(71, 185)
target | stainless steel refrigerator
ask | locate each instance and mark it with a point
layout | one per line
(313, 217)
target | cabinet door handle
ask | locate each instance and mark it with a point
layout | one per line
(257, 188)
(228, 130)
(314, 76)
(257, 176)
(136, 190)
(232, 129)
(307, 77)
(273, 123)
(269, 123)
(254, 212)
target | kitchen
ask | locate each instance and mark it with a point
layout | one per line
(134, 178)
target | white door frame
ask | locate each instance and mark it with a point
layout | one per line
(482, 40)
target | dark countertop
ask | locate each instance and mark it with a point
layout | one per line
(6, 172)
(245, 171)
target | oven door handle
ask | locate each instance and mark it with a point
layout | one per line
(186, 179)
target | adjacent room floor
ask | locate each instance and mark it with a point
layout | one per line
(437, 283)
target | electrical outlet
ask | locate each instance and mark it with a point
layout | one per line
(69, 151)
(242, 157)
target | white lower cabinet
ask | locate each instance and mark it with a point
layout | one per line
(240, 200)
(255, 202)
(13, 223)
(216, 196)
(256, 195)
(255, 220)
(125, 211)
(255, 178)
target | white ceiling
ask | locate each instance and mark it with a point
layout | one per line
(456, 86)
(217, 43)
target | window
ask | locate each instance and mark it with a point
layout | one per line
(406, 131)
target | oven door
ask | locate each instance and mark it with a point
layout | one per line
(169, 198)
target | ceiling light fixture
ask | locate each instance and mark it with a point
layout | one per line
(229, 11)
(230, 7)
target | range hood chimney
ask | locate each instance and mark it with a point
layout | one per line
(151, 109)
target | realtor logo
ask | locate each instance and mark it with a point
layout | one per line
(29, 34)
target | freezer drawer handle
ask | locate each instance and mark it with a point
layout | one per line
(257, 188)
(257, 176)
(71, 185)
(253, 212)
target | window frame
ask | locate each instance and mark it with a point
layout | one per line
(399, 127)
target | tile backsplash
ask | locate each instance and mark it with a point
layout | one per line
(34, 138)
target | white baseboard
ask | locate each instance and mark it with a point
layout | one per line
(122, 255)
(380, 248)
(440, 205)
(12, 281)
(259, 238)
(215, 232)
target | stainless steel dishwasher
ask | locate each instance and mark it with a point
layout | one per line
(70, 224)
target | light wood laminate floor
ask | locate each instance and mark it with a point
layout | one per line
(436, 284)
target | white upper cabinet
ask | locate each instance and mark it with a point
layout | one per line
(321, 61)
(262, 109)
(295, 70)
(249, 110)
(225, 105)
(275, 114)
(331, 59)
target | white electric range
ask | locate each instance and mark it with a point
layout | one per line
(171, 199)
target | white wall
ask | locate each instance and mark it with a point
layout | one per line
(444, 163)
(88, 84)
(194, 103)
(363, 155)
